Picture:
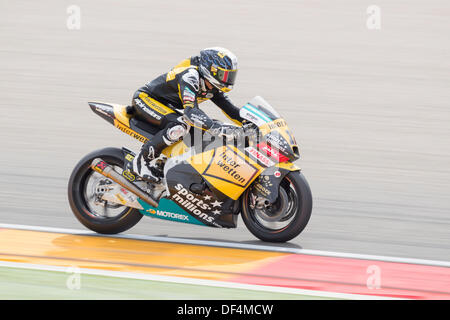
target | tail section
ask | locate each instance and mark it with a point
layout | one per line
(118, 116)
(106, 111)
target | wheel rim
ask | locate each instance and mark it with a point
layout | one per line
(280, 215)
(95, 185)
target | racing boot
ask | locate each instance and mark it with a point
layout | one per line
(143, 167)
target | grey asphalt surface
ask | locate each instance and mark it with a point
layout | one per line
(370, 108)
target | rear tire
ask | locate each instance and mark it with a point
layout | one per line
(79, 204)
(299, 216)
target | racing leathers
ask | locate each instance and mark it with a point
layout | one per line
(158, 101)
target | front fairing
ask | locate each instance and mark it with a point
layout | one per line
(275, 136)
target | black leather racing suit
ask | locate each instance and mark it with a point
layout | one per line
(180, 88)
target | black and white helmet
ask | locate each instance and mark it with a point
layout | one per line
(219, 67)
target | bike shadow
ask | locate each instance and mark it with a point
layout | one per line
(257, 244)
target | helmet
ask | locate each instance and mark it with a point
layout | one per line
(219, 67)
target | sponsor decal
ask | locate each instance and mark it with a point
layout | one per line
(188, 94)
(263, 190)
(128, 175)
(263, 185)
(101, 166)
(275, 154)
(256, 112)
(270, 151)
(279, 123)
(191, 203)
(162, 109)
(129, 157)
(277, 174)
(147, 109)
(120, 198)
(259, 156)
(130, 132)
(170, 75)
(276, 141)
(251, 117)
(198, 118)
(169, 210)
(168, 214)
(227, 165)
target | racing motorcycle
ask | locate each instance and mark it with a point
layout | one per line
(207, 180)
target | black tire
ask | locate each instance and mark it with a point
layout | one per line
(300, 214)
(77, 183)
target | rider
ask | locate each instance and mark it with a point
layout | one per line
(194, 80)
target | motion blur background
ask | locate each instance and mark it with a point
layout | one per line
(369, 108)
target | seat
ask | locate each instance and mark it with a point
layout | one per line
(143, 128)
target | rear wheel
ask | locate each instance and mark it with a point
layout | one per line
(85, 189)
(286, 217)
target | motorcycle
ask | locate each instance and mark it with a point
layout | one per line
(207, 180)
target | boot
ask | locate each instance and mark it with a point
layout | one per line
(142, 167)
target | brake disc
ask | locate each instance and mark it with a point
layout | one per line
(276, 211)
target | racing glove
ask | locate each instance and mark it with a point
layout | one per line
(229, 132)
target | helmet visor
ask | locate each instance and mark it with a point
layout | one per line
(227, 77)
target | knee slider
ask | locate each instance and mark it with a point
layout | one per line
(176, 132)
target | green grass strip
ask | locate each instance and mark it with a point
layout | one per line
(25, 284)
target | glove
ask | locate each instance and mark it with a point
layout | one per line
(230, 132)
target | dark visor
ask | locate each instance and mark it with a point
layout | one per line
(226, 76)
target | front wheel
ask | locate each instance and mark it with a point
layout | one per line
(286, 217)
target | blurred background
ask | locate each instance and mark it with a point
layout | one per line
(369, 107)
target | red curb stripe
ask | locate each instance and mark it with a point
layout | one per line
(346, 275)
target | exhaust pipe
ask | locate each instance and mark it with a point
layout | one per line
(105, 169)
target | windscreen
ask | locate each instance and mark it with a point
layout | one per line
(259, 111)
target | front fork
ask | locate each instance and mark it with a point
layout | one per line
(266, 187)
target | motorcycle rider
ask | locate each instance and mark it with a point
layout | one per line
(208, 75)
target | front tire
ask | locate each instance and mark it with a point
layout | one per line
(88, 212)
(295, 191)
